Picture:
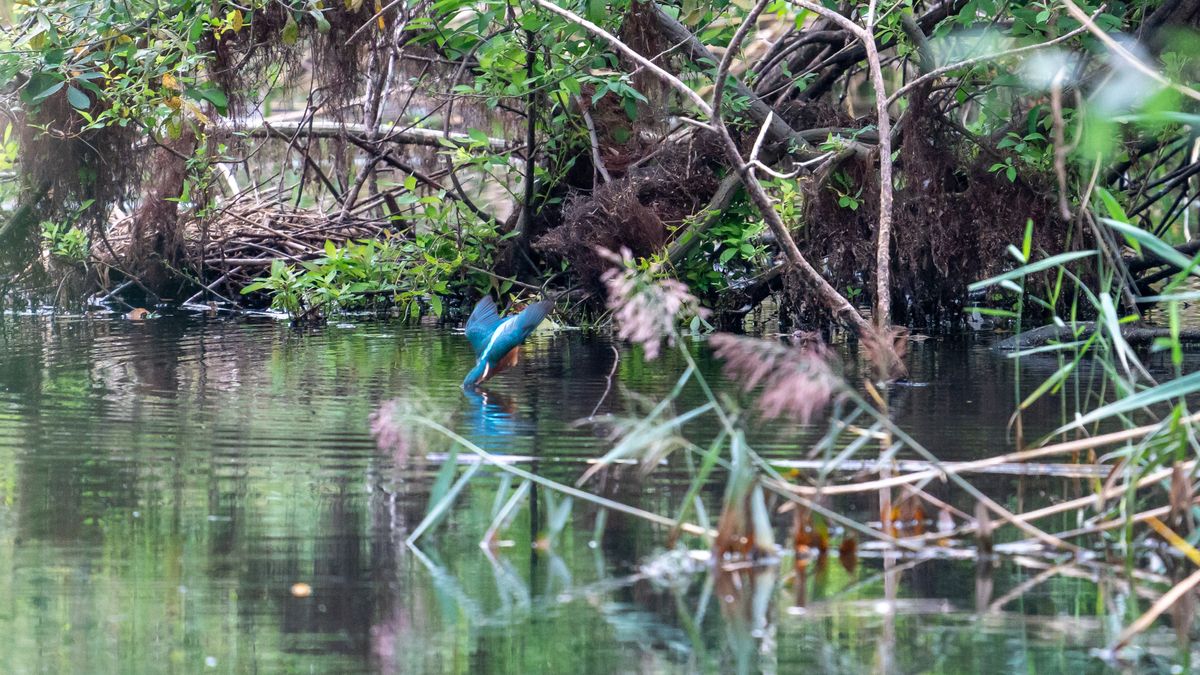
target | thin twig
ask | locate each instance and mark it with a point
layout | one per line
(994, 56)
(608, 383)
(1124, 53)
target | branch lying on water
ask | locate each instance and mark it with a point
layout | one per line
(945, 469)
(1134, 335)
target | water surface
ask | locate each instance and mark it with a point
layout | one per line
(181, 495)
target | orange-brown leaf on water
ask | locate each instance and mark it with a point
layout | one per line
(301, 590)
(808, 532)
(138, 314)
(848, 553)
(734, 536)
(907, 518)
(802, 536)
(912, 517)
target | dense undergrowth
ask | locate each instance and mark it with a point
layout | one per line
(414, 125)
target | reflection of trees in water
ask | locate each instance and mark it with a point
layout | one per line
(165, 458)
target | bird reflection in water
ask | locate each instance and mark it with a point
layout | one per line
(490, 420)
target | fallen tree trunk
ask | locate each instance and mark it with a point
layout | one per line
(1150, 259)
(1134, 335)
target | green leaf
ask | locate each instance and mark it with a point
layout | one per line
(210, 94)
(1177, 388)
(477, 136)
(196, 30)
(291, 31)
(322, 23)
(595, 11)
(1112, 205)
(992, 311)
(1156, 245)
(78, 99)
(48, 92)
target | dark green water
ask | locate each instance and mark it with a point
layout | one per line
(165, 484)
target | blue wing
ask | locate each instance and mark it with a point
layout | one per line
(530, 317)
(512, 331)
(484, 320)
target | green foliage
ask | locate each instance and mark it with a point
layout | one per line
(1100, 377)
(412, 274)
(730, 248)
(849, 195)
(122, 63)
(1010, 171)
(66, 242)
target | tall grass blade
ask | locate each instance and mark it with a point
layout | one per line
(642, 435)
(1177, 388)
(1031, 268)
(500, 464)
(445, 476)
(502, 517)
(1157, 246)
(439, 509)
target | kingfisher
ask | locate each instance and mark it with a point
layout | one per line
(497, 341)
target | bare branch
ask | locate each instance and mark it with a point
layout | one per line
(995, 56)
(834, 301)
(883, 241)
(325, 129)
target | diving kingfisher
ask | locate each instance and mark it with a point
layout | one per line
(497, 341)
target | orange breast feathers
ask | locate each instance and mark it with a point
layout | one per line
(510, 359)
